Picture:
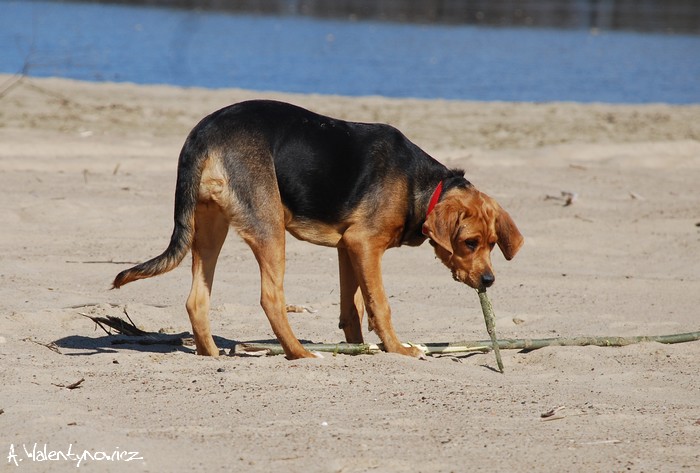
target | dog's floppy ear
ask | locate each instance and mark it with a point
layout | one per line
(438, 228)
(509, 237)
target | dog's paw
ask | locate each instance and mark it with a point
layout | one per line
(412, 350)
(304, 354)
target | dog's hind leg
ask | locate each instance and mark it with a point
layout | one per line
(267, 240)
(351, 303)
(210, 230)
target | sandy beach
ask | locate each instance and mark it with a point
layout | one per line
(87, 174)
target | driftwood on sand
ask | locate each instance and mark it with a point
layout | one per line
(138, 336)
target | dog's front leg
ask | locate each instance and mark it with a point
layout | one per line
(351, 304)
(366, 260)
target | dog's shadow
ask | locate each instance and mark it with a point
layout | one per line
(152, 343)
(81, 345)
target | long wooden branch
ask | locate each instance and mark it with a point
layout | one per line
(477, 345)
(128, 328)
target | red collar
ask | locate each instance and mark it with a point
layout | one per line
(434, 199)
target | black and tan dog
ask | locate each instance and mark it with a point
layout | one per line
(264, 166)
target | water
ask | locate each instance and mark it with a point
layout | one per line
(147, 45)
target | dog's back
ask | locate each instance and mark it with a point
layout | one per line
(324, 167)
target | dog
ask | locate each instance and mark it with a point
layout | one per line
(263, 167)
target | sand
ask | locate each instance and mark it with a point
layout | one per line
(86, 188)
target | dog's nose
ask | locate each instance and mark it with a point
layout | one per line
(487, 279)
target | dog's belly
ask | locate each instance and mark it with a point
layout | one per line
(314, 232)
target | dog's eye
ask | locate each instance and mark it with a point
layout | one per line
(471, 244)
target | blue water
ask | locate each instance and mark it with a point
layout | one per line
(98, 42)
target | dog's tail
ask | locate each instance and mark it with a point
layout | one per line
(189, 175)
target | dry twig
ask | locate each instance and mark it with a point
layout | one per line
(51, 346)
(300, 308)
(553, 414)
(122, 327)
(75, 385)
(567, 197)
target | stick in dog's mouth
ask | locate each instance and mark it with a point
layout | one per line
(489, 318)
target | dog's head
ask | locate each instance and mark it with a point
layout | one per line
(464, 227)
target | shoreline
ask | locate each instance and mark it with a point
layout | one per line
(491, 125)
